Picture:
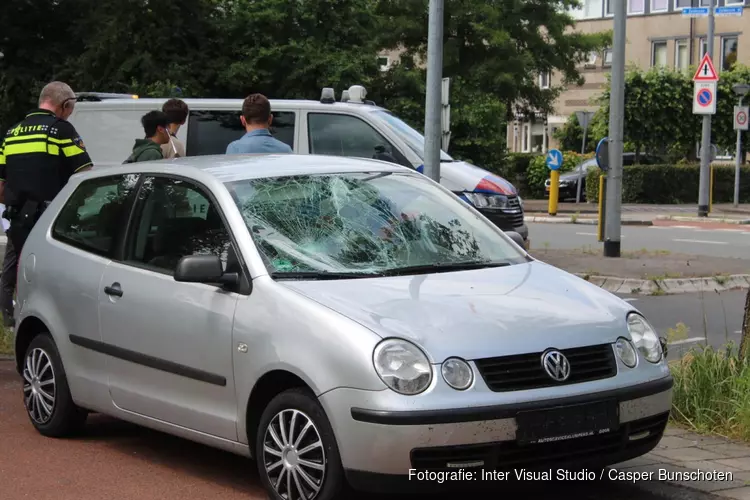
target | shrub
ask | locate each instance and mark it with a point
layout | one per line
(538, 172)
(667, 184)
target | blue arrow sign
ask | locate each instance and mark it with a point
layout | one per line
(602, 154)
(554, 159)
(695, 11)
(729, 11)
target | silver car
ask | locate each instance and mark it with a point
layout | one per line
(345, 322)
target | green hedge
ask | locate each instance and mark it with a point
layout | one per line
(667, 184)
(513, 167)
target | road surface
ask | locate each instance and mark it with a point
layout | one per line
(724, 242)
(113, 459)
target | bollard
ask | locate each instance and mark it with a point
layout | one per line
(602, 205)
(554, 191)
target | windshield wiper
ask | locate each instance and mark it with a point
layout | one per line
(442, 267)
(321, 275)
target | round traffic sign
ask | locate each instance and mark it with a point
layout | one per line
(705, 97)
(741, 118)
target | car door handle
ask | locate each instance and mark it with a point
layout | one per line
(113, 289)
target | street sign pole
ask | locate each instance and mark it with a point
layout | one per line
(703, 184)
(583, 117)
(613, 214)
(433, 129)
(740, 124)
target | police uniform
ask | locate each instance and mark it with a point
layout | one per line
(37, 157)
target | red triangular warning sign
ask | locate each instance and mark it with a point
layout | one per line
(706, 71)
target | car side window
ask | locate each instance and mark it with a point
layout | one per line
(176, 218)
(344, 135)
(95, 212)
(210, 132)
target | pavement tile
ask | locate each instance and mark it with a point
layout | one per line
(710, 465)
(639, 462)
(675, 431)
(738, 463)
(658, 470)
(670, 442)
(737, 493)
(687, 454)
(728, 450)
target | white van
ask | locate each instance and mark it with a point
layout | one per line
(110, 123)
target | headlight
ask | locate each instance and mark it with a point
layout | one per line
(457, 373)
(644, 338)
(626, 352)
(402, 366)
(484, 200)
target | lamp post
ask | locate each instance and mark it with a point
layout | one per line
(741, 89)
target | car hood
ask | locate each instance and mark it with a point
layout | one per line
(480, 313)
(459, 176)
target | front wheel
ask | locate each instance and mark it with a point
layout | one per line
(46, 393)
(296, 450)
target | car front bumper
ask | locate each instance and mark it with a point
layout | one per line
(379, 448)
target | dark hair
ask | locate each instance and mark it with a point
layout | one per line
(256, 109)
(153, 120)
(176, 110)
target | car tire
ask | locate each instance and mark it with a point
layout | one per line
(46, 393)
(316, 467)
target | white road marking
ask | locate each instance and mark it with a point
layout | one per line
(630, 300)
(588, 234)
(702, 241)
(687, 341)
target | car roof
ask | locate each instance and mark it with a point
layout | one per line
(227, 104)
(229, 168)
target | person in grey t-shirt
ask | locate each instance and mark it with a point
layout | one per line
(256, 118)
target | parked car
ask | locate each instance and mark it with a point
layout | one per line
(342, 321)
(352, 127)
(569, 180)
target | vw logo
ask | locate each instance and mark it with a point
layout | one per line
(556, 365)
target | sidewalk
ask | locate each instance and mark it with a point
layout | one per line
(650, 273)
(541, 206)
(709, 464)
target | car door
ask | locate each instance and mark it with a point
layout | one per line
(171, 342)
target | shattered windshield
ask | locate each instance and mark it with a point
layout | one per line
(411, 137)
(364, 223)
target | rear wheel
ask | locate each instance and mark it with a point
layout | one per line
(46, 393)
(296, 451)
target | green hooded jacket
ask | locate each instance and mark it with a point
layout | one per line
(145, 150)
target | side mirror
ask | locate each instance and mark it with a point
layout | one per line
(517, 239)
(204, 269)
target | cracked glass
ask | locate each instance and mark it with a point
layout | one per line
(364, 223)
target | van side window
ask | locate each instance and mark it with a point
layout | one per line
(344, 135)
(94, 214)
(210, 132)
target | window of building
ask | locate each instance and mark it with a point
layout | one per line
(210, 132)
(706, 3)
(610, 8)
(681, 4)
(635, 6)
(344, 135)
(734, 2)
(607, 58)
(659, 54)
(703, 47)
(544, 80)
(681, 54)
(95, 212)
(591, 60)
(384, 63)
(176, 219)
(590, 9)
(728, 52)
(525, 136)
(659, 5)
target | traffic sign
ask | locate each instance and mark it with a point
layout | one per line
(695, 11)
(704, 98)
(729, 11)
(740, 118)
(706, 71)
(602, 154)
(554, 159)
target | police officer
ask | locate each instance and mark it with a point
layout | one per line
(37, 157)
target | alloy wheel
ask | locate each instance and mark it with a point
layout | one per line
(294, 456)
(39, 388)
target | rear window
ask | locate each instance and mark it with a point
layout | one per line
(210, 132)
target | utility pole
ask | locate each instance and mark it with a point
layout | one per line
(703, 185)
(616, 128)
(741, 124)
(583, 117)
(433, 129)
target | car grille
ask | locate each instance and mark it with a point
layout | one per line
(525, 371)
(507, 455)
(516, 218)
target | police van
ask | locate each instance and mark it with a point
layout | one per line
(354, 126)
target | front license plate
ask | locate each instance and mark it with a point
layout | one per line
(567, 422)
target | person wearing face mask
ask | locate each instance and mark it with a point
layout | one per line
(156, 127)
(177, 111)
(37, 157)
